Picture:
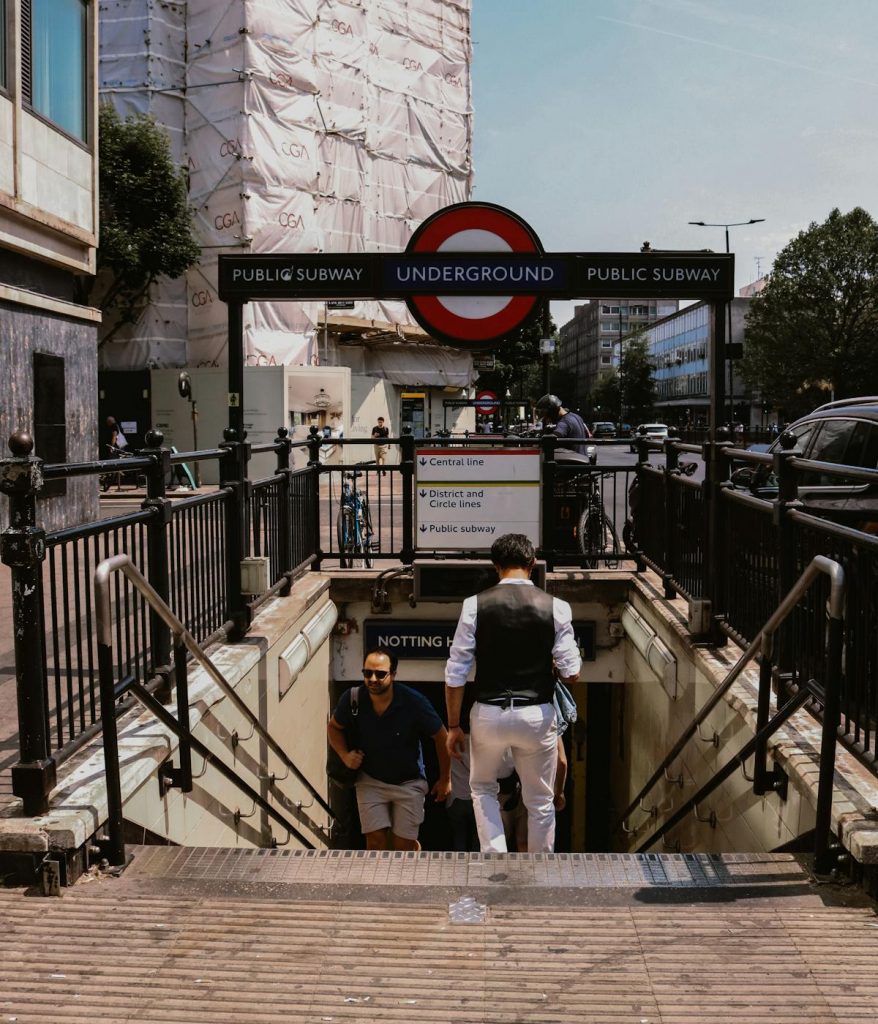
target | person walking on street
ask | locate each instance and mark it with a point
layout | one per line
(390, 724)
(514, 632)
(563, 423)
(380, 433)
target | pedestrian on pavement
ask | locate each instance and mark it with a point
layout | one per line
(562, 423)
(390, 725)
(380, 432)
(514, 632)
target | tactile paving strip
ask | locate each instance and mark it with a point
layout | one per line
(558, 870)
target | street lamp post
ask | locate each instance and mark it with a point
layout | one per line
(730, 224)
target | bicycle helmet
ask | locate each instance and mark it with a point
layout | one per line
(548, 406)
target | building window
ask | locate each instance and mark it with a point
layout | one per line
(54, 73)
(50, 419)
(606, 342)
(606, 360)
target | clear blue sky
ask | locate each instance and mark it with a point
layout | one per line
(605, 123)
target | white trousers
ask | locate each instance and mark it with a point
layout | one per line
(531, 735)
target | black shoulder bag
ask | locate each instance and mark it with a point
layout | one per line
(336, 769)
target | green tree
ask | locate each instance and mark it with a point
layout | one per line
(605, 400)
(518, 363)
(637, 379)
(146, 225)
(813, 331)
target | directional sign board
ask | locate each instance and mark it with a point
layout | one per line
(468, 497)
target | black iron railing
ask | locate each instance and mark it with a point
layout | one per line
(738, 552)
(732, 552)
(189, 549)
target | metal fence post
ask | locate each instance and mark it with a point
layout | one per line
(824, 853)
(314, 443)
(672, 463)
(407, 476)
(23, 549)
(157, 539)
(284, 504)
(785, 534)
(233, 474)
(714, 561)
(549, 531)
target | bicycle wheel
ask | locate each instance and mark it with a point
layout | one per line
(367, 535)
(346, 533)
(598, 537)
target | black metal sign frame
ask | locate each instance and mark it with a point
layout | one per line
(303, 277)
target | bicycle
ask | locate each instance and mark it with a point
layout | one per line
(354, 525)
(595, 531)
(118, 476)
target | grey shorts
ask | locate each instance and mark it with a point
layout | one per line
(383, 805)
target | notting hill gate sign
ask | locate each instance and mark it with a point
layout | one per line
(471, 274)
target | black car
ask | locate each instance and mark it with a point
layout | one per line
(844, 433)
(603, 430)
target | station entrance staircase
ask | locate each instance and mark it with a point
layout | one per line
(208, 936)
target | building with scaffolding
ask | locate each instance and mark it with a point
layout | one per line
(306, 126)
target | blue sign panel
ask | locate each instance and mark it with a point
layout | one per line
(420, 639)
(478, 274)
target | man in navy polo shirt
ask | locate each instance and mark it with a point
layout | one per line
(390, 721)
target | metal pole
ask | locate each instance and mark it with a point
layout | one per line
(196, 472)
(547, 443)
(157, 533)
(407, 477)
(236, 369)
(114, 850)
(23, 549)
(824, 856)
(728, 356)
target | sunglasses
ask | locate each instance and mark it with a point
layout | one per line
(379, 673)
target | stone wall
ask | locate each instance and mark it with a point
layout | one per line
(23, 332)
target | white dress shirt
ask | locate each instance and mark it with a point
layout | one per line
(463, 647)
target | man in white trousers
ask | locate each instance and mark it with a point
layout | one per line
(519, 636)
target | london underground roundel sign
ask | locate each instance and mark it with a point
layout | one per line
(472, 320)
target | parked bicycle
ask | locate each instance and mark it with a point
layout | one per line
(595, 531)
(628, 536)
(120, 476)
(353, 525)
(582, 520)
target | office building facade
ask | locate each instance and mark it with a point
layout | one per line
(48, 239)
(679, 347)
(590, 343)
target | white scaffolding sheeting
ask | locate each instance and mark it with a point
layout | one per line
(307, 126)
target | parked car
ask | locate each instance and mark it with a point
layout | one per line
(649, 432)
(605, 430)
(844, 433)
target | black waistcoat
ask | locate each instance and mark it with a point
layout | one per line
(515, 632)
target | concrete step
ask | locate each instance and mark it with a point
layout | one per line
(223, 936)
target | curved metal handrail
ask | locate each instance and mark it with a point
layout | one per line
(122, 563)
(762, 642)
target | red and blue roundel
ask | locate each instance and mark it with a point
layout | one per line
(468, 228)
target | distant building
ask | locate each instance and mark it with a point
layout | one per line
(679, 346)
(589, 343)
(305, 127)
(48, 225)
(754, 288)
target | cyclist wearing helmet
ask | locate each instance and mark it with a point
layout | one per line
(562, 423)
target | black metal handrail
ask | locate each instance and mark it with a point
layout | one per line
(111, 691)
(765, 728)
